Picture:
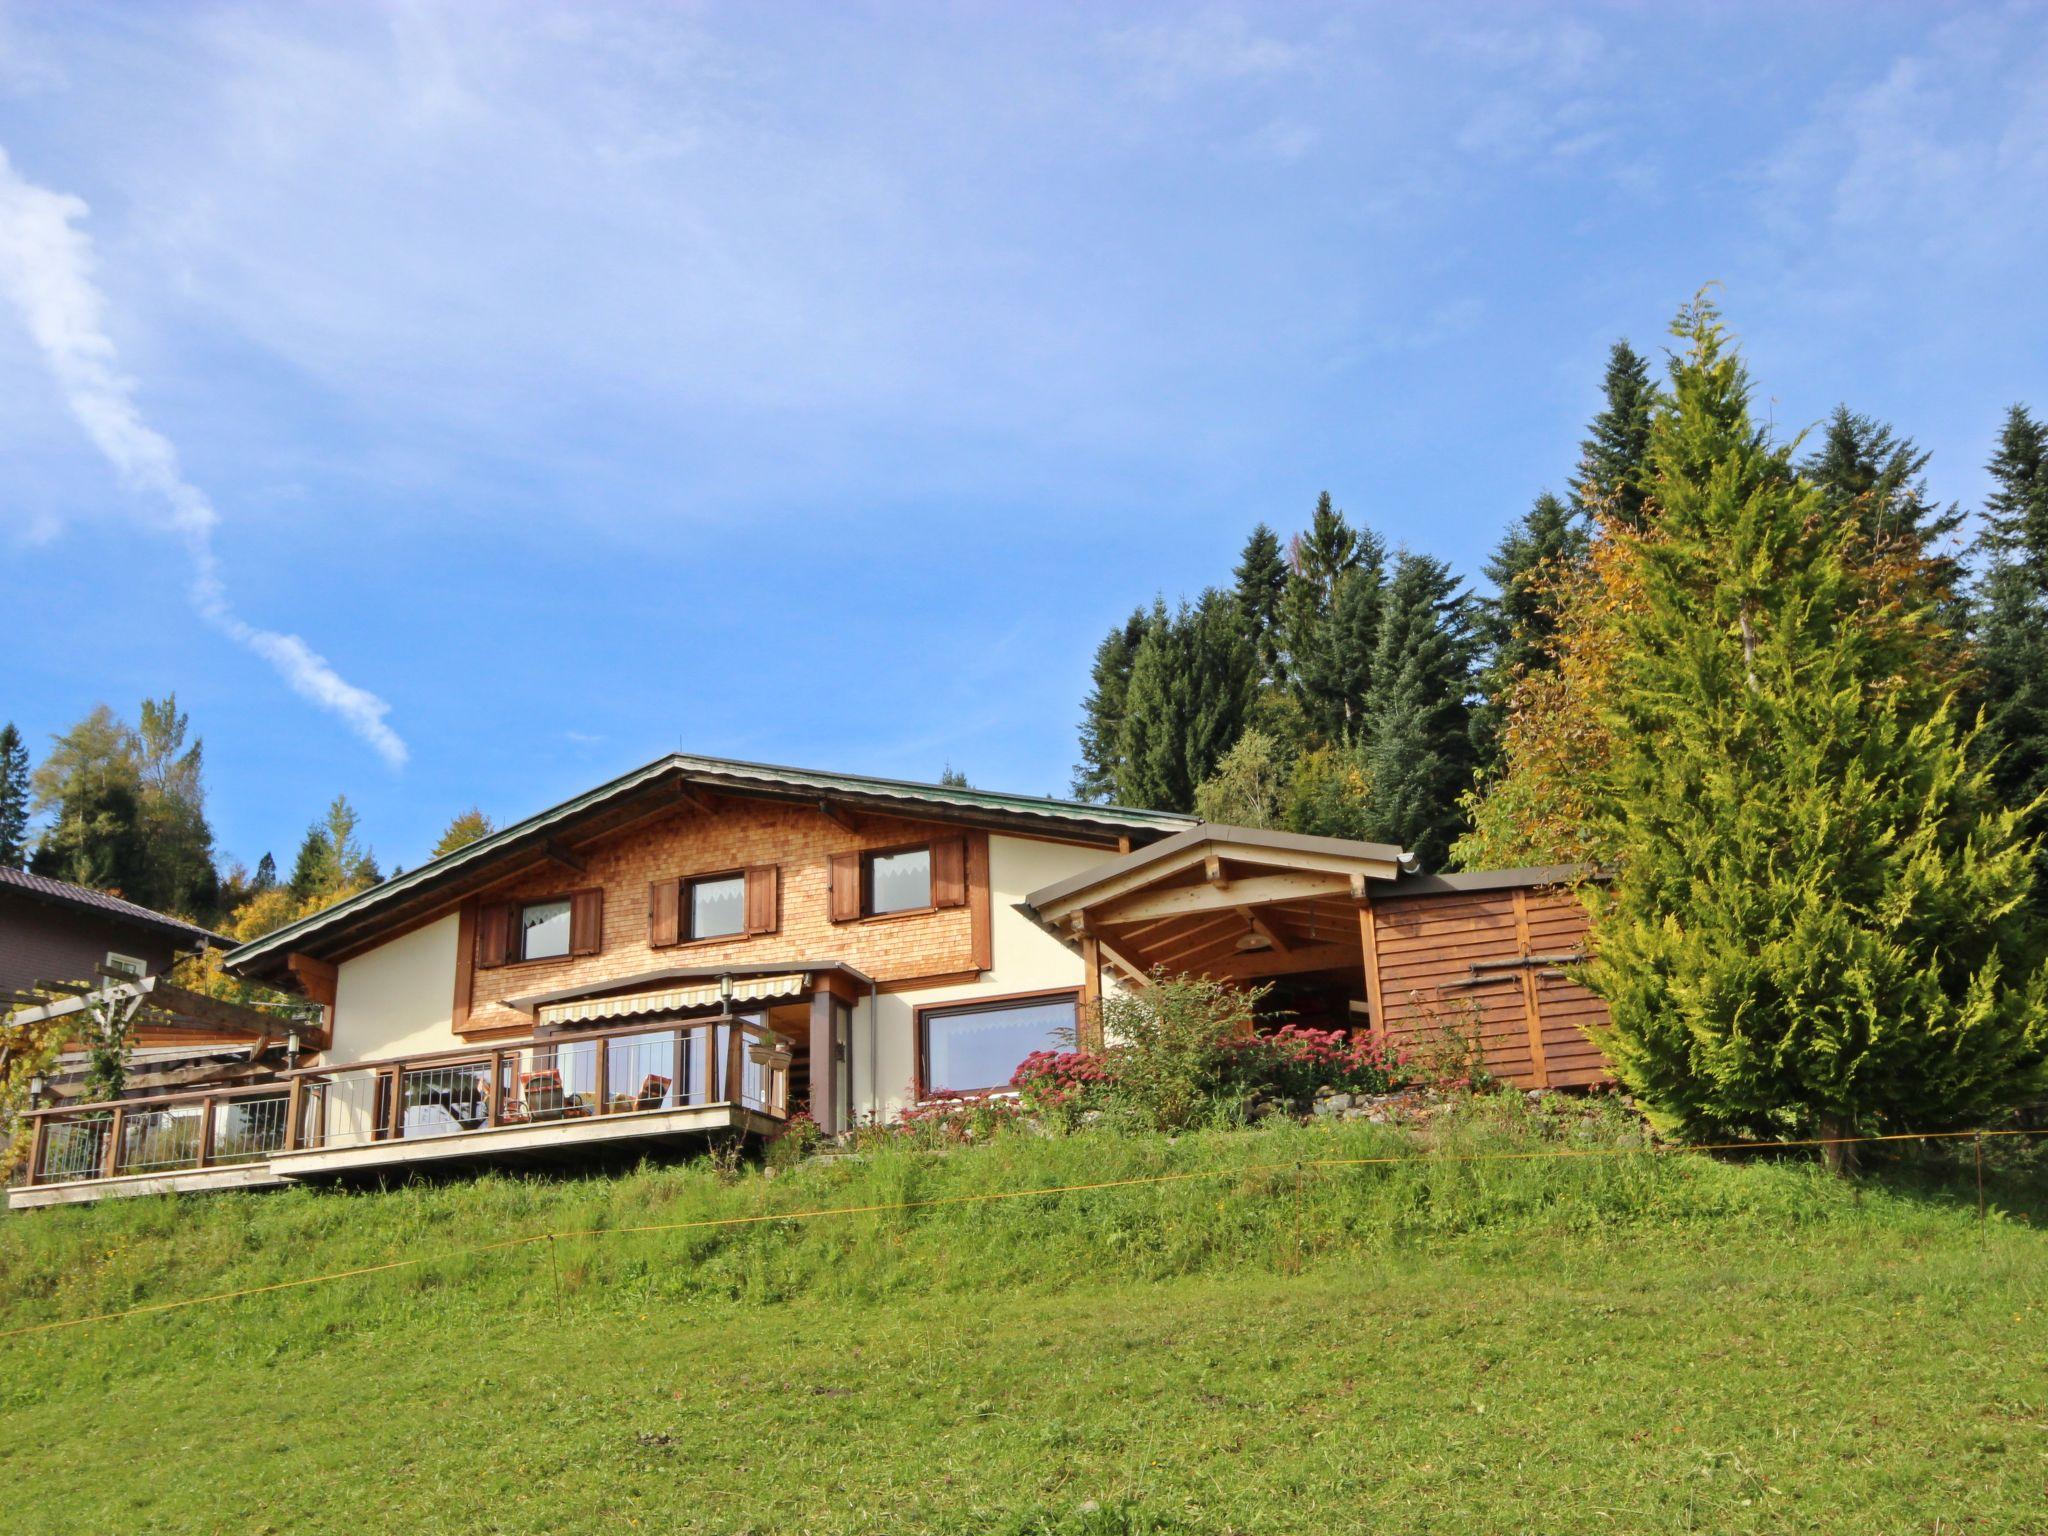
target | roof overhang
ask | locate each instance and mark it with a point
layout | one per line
(1224, 901)
(669, 785)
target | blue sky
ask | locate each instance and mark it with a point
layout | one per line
(817, 384)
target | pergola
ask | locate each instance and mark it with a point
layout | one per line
(1231, 903)
(153, 1008)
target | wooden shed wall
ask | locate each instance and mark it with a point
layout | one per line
(1531, 1024)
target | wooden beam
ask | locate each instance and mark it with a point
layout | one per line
(1139, 978)
(1192, 941)
(1188, 899)
(1264, 963)
(1212, 871)
(1369, 947)
(839, 816)
(557, 854)
(1532, 1009)
(316, 978)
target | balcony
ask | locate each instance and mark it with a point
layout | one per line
(565, 1100)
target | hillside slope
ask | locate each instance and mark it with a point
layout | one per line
(1269, 1344)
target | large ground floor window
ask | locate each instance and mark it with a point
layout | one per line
(968, 1046)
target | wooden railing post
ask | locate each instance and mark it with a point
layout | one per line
(710, 1063)
(735, 1062)
(676, 1075)
(116, 1126)
(495, 1105)
(205, 1131)
(38, 1149)
(601, 1065)
(295, 1116)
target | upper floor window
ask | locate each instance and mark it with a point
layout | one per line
(897, 882)
(717, 906)
(544, 929)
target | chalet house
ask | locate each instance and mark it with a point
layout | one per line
(707, 945)
(51, 931)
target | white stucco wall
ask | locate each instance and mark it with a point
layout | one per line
(1026, 959)
(398, 998)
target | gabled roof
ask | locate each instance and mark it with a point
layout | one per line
(484, 862)
(1256, 844)
(81, 898)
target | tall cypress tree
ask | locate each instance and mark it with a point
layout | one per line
(14, 798)
(1261, 579)
(1612, 481)
(1418, 714)
(1516, 625)
(2012, 612)
(1191, 685)
(1102, 714)
(1818, 918)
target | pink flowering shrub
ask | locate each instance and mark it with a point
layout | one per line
(946, 1117)
(1293, 1062)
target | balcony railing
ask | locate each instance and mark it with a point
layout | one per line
(562, 1080)
(163, 1134)
(568, 1080)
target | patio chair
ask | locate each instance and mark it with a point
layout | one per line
(543, 1094)
(653, 1092)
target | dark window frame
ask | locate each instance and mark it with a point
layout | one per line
(519, 907)
(686, 929)
(1000, 1002)
(867, 881)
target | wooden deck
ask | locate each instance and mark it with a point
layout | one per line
(563, 1100)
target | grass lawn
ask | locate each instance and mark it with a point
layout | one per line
(1634, 1344)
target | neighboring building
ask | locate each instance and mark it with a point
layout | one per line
(706, 945)
(50, 931)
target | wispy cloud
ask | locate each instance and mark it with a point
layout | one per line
(1211, 47)
(46, 263)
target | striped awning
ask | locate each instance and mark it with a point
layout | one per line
(690, 999)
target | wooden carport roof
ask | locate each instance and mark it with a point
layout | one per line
(1228, 902)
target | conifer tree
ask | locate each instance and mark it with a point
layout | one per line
(1333, 672)
(1191, 685)
(1261, 579)
(1517, 624)
(90, 780)
(14, 798)
(2012, 612)
(1418, 715)
(1317, 561)
(1875, 480)
(265, 877)
(1102, 715)
(1611, 480)
(1818, 919)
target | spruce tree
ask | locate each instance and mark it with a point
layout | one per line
(1611, 481)
(1317, 561)
(1261, 579)
(1333, 671)
(266, 876)
(14, 798)
(1517, 624)
(1875, 481)
(1818, 919)
(1191, 684)
(1418, 714)
(1102, 715)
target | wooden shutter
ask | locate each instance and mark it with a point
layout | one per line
(843, 886)
(586, 921)
(496, 932)
(764, 898)
(949, 872)
(665, 913)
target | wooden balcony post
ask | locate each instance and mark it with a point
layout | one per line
(710, 1063)
(495, 1105)
(116, 1126)
(295, 1116)
(682, 1061)
(601, 1067)
(38, 1149)
(205, 1131)
(735, 1062)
